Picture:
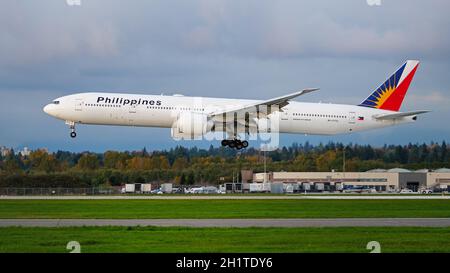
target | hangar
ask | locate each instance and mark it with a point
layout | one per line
(379, 179)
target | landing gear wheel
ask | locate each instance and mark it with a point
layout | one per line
(239, 145)
(232, 144)
(235, 143)
(73, 134)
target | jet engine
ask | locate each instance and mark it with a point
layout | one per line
(263, 125)
(190, 126)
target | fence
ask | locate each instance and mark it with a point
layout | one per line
(59, 191)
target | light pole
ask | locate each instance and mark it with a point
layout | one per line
(343, 160)
(265, 172)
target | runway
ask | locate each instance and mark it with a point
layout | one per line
(335, 222)
(229, 197)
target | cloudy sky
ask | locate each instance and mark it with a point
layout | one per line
(221, 48)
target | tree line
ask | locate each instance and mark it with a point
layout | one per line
(190, 166)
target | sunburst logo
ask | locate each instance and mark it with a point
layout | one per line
(383, 93)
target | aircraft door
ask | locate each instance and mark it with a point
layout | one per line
(351, 120)
(351, 117)
(132, 109)
(132, 113)
(285, 114)
(79, 104)
(285, 119)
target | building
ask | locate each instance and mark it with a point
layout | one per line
(25, 151)
(4, 151)
(379, 179)
(439, 178)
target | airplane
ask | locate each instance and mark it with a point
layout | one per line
(195, 117)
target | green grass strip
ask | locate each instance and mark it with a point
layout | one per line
(204, 209)
(173, 239)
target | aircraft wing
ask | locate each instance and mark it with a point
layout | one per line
(400, 115)
(252, 108)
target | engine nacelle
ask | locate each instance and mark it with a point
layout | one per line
(191, 126)
(263, 125)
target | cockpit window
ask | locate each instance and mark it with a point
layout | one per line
(56, 102)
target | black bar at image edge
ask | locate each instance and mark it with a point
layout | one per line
(237, 262)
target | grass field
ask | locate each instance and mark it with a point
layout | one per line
(153, 239)
(181, 239)
(197, 209)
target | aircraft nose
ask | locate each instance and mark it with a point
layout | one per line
(46, 108)
(49, 109)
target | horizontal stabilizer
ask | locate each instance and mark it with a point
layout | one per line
(400, 115)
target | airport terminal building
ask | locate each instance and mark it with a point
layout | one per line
(378, 179)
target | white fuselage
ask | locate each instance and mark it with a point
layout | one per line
(163, 111)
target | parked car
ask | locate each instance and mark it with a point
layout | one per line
(359, 189)
(156, 191)
(426, 191)
(406, 191)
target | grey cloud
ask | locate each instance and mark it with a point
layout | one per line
(286, 29)
(39, 31)
(34, 33)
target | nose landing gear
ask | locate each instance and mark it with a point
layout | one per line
(71, 124)
(235, 143)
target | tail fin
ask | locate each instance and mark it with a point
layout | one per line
(390, 95)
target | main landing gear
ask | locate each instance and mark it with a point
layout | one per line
(235, 143)
(71, 124)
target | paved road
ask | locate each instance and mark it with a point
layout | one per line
(226, 197)
(336, 222)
